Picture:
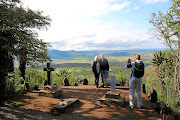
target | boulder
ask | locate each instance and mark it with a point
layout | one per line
(45, 82)
(36, 88)
(27, 87)
(85, 82)
(66, 82)
(153, 96)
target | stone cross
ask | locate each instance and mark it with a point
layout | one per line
(112, 83)
(49, 76)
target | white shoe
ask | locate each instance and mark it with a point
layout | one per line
(131, 107)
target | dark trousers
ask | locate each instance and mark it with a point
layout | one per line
(96, 75)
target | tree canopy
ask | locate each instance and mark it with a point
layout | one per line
(18, 36)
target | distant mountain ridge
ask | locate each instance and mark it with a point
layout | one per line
(57, 54)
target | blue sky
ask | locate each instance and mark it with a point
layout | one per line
(99, 24)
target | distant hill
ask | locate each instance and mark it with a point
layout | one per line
(57, 54)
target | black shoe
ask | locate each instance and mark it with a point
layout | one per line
(141, 107)
(102, 86)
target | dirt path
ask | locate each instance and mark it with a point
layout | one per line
(90, 108)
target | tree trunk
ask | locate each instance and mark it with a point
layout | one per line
(6, 64)
(176, 74)
(160, 81)
(2, 89)
(22, 68)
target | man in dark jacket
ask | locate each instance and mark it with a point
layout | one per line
(104, 68)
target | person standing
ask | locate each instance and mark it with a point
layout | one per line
(137, 72)
(96, 70)
(104, 68)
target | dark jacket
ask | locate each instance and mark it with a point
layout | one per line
(93, 66)
(104, 65)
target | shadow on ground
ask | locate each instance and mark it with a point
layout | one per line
(89, 107)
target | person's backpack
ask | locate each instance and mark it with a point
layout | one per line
(139, 70)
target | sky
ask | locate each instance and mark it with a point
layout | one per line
(99, 24)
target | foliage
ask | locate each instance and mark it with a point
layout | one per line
(165, 75)
(17, 38)
(158, 58)
(14, 86)
(166, 29)
(122, 78)
(63, 72)
(35, 77)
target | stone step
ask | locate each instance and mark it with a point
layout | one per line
(62, 107)
(112, 102)
(115, 95)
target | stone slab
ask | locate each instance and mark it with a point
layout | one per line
(62, 107)
(50, 91)
(50, 94)
(115, 95)
(112, 102)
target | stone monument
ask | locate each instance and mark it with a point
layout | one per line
(62, 107)
(50, 90)
(113, 81)
(112, 98)
(49, 75)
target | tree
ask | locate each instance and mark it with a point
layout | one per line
(30, 49)
(166, 28)
(17, 38)
(157, 60)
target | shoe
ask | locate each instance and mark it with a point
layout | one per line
(102, 86)
(141, 107)
(131, 107)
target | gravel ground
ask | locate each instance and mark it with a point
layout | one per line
(16, 113)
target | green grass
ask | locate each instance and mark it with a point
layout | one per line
(76, 60)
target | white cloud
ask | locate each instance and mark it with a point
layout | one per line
(77, 24)
(153, 1)
(76, 7)
(136, 8)
(117, 7)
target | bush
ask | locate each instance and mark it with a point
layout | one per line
(13, 86)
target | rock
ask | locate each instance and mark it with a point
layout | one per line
(27, 87)
(153, 96)
(66, 82)
(143, 88)
(45, 82)
(62, 107)
(85, 82)
(75, 84)
(36, 88)
(51, 91)
(157, 108)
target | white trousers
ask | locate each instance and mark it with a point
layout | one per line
(135, 84)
